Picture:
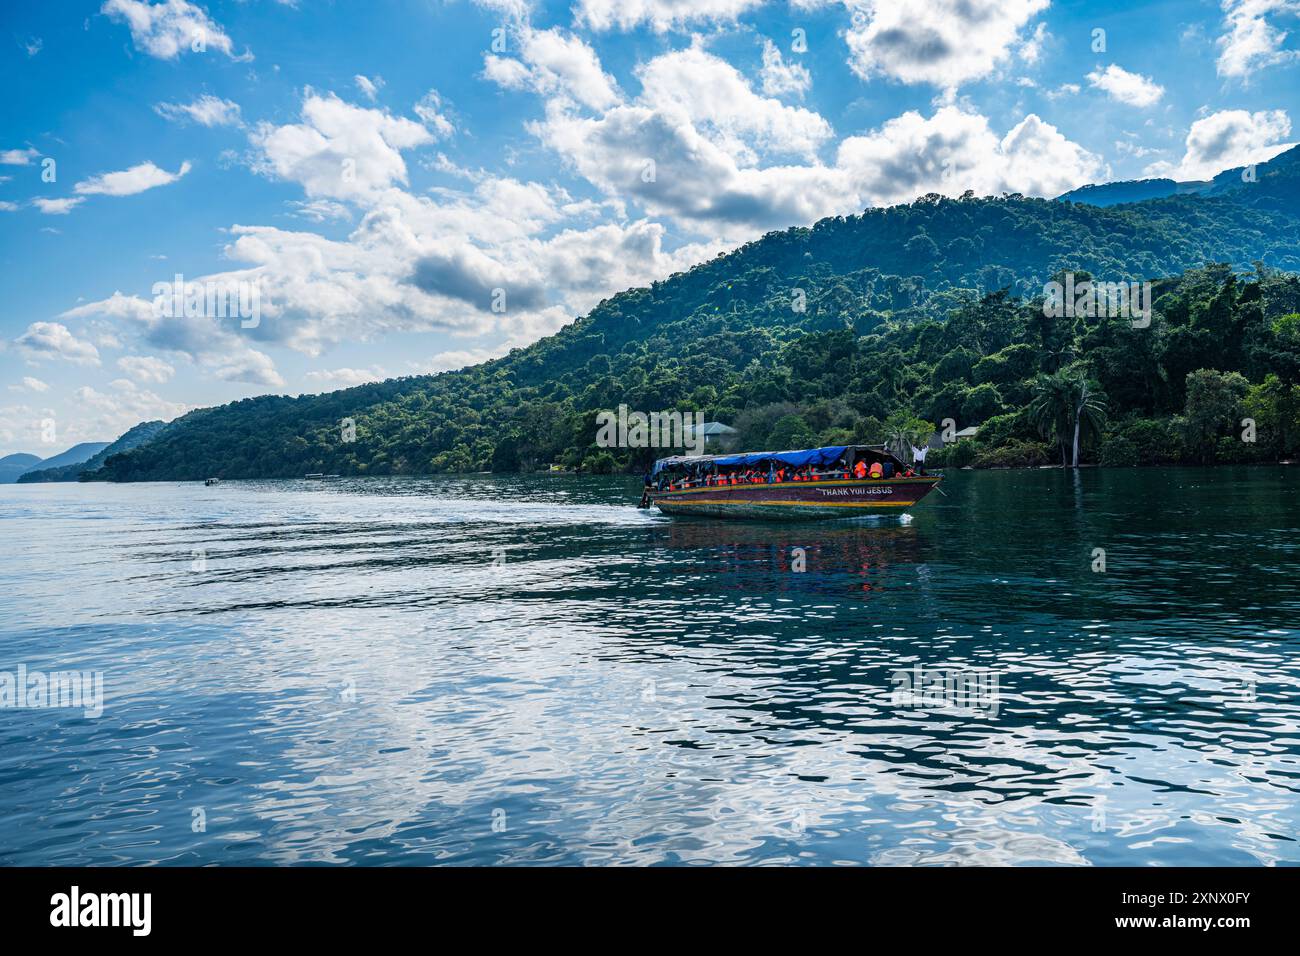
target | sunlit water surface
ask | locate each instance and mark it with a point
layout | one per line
(495, 670)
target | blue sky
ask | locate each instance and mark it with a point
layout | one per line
(404, 186)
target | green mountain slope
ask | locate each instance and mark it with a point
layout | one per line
(133, 438)
(912, 310)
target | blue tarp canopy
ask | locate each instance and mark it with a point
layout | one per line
(796, 459)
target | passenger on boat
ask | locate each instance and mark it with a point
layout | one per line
(876, 471)
(860, 470)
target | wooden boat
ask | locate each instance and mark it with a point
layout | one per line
(703, 484)
(212, 481)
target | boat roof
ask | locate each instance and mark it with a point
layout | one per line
(826, 455)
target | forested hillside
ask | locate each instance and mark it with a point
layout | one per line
(133, 438)
(857, 328)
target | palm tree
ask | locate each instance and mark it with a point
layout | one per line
(1066, 403)
(1089, 411)
(1049, 410)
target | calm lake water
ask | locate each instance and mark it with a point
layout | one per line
(489, 671)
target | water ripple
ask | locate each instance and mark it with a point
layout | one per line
(529, 671)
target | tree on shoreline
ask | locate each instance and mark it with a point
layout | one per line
(1066, 406)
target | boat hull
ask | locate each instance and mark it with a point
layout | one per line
(796, 500)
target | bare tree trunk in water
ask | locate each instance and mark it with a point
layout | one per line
(1078, 420)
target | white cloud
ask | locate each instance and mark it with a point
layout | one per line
(712, 139)
(321, 210)
(660, 15)
(30, 384)
(103, 334)
(7, 206)
(1126, 148)
(956, 150)
(1131, 88)
(18, 157)
(346, 377)
(555, 65)
(1031, 50)
(1228, 139)
(1065, 89)
(369, 87)
(116, 306)
(419, 264)
(108, 414)
(128, 182)
(146, 368)
(214, 346)
(1250, 42)
(708, 92)
(454, 359)
(168, 28)
(941, 42)
(338, 151)
(412, 264)
(429, 108)
(58, 207)
(207, 110)
(781, 78)
(52, 340)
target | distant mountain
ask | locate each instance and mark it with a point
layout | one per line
(11, 466)
(75, 455)
(71, 471)
(1140, 190)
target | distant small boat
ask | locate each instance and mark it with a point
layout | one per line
(319, 476)
(212, 481)
(802, 484)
